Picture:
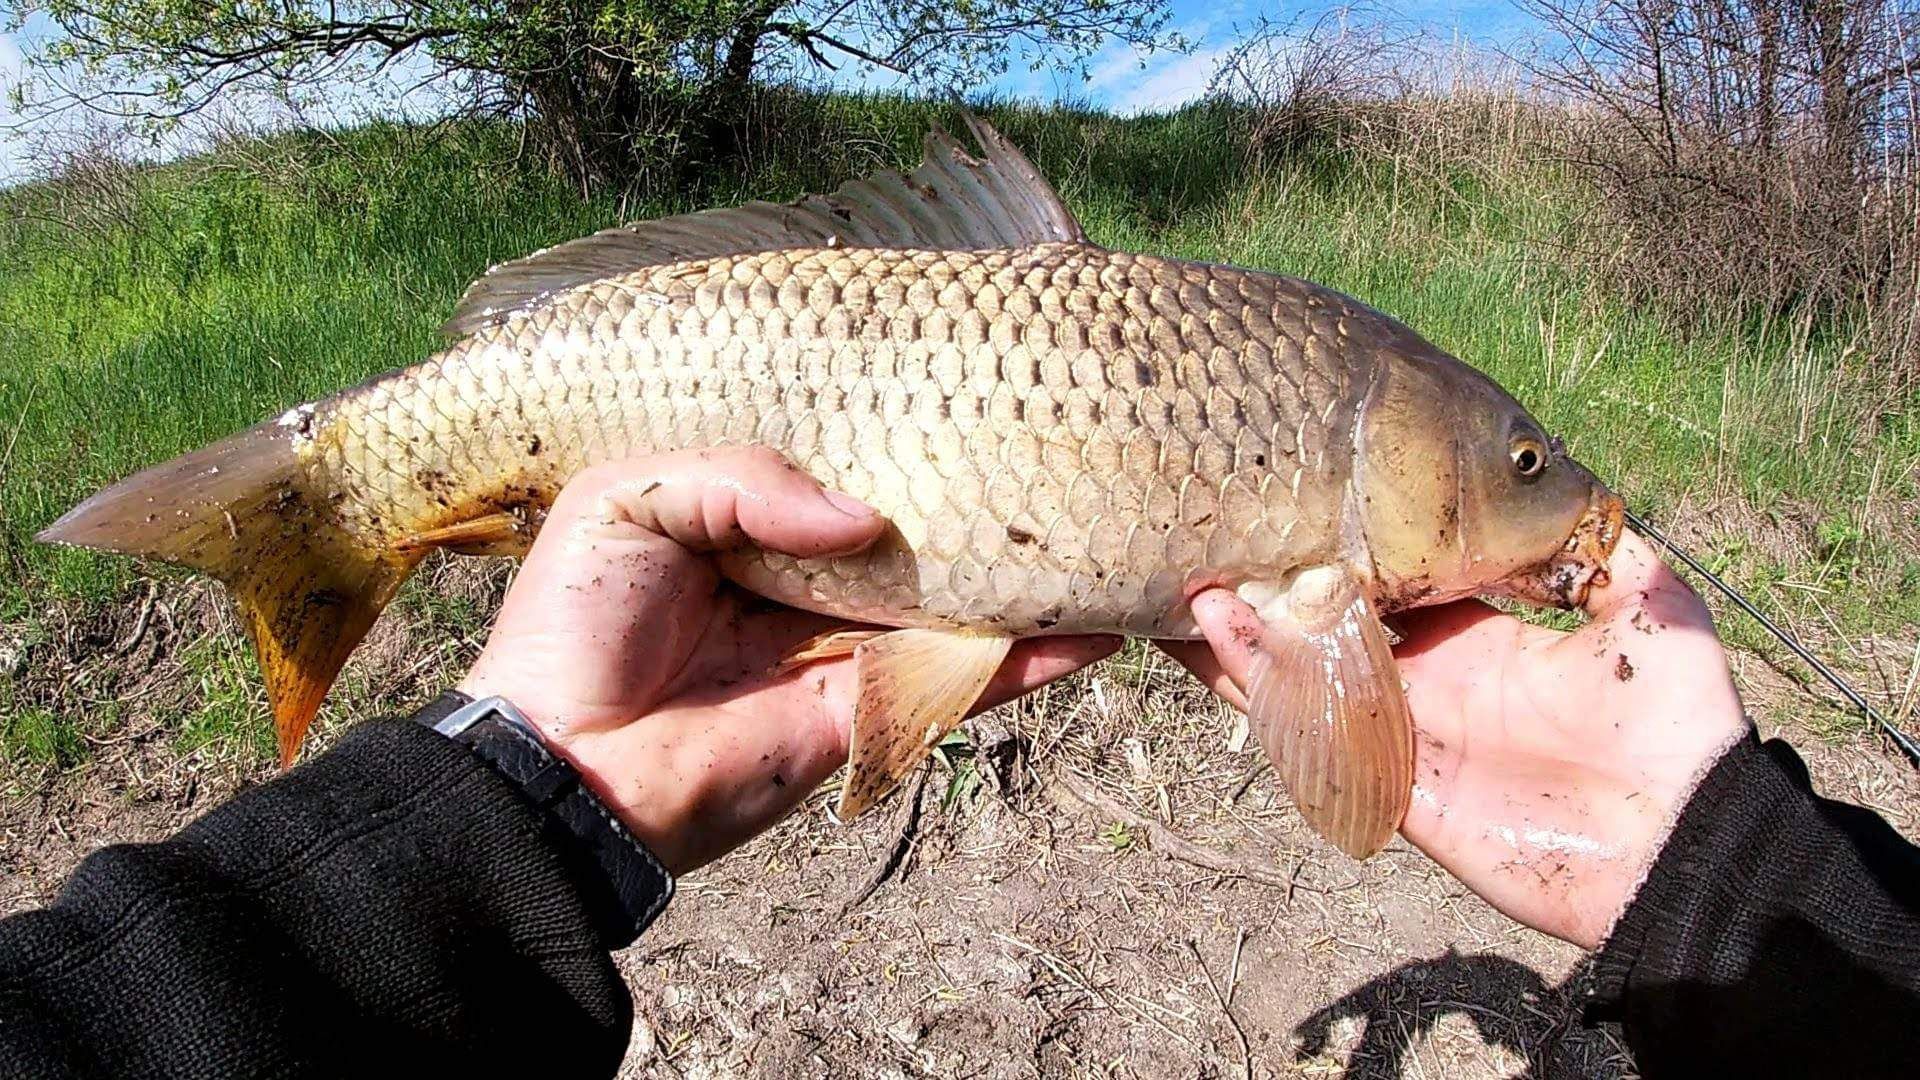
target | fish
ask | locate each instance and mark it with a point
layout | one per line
(1064, 439)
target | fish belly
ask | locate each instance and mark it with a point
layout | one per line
(1063, 438)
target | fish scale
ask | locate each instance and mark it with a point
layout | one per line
(1060, 436)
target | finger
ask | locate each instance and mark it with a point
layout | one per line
(1197, 657)
(706, 500)
(1035, 662)
(1634, 571)
(1234, 634)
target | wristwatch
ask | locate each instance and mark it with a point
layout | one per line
(595, 841)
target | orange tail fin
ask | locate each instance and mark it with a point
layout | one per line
(239, 511)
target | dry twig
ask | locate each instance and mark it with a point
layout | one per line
(1168, 842)
(1246, 1048)
(902, 844)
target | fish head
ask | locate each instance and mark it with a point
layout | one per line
(1464, 493)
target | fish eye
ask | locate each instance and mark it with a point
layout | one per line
(1529, 457)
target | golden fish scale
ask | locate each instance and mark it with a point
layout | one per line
(1060, 435)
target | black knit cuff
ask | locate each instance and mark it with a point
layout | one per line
(1733, 815)
(623, 884)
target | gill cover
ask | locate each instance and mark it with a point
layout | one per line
(1460, 488)
(1409, 483)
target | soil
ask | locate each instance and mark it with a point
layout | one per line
(1107, 885)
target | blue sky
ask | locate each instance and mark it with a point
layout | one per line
(1128, 82)
(1118, 77)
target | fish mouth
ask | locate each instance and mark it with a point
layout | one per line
(1569, 576)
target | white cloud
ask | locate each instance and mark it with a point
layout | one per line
(1114, 66)
(1131, 81)
(1166, 81)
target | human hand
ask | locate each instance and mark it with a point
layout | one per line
(1548, 766)
(621, 642)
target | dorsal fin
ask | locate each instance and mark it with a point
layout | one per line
(953, 201)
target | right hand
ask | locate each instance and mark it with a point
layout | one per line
(1549, 767)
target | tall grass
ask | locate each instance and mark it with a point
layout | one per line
(229, 287)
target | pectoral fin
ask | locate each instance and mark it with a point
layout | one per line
(828, 646)
(915, 685)
(1325, 698)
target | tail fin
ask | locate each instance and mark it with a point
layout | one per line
(240, 511)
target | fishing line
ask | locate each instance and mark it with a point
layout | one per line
(1900, 738)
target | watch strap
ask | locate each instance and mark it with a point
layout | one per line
(638, 886)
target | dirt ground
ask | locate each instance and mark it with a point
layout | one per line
(1104, 882)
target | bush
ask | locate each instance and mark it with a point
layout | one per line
(1757, 154)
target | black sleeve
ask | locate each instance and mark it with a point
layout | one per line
(394, 904)
(1778, 933)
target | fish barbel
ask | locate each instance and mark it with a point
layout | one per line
(1064, 438)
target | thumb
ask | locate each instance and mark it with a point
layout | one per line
(708, 500)
(1636, 575)
(1233, 637)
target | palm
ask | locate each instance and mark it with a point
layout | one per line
(1548, 765)
(1546, 760)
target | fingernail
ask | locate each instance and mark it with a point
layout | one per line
(849, 505)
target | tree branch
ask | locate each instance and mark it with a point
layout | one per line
(806, 38)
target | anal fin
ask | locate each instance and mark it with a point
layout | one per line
(305, 617)
(915, 685)
(1324, 696)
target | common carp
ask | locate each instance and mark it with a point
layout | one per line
(1064, 438)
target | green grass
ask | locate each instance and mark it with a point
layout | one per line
(231, 287)
(40, 736)
(227, 704)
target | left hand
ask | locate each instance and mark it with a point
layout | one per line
(654, 677)
(1550, 766)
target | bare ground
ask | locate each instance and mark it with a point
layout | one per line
(1104, 883)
